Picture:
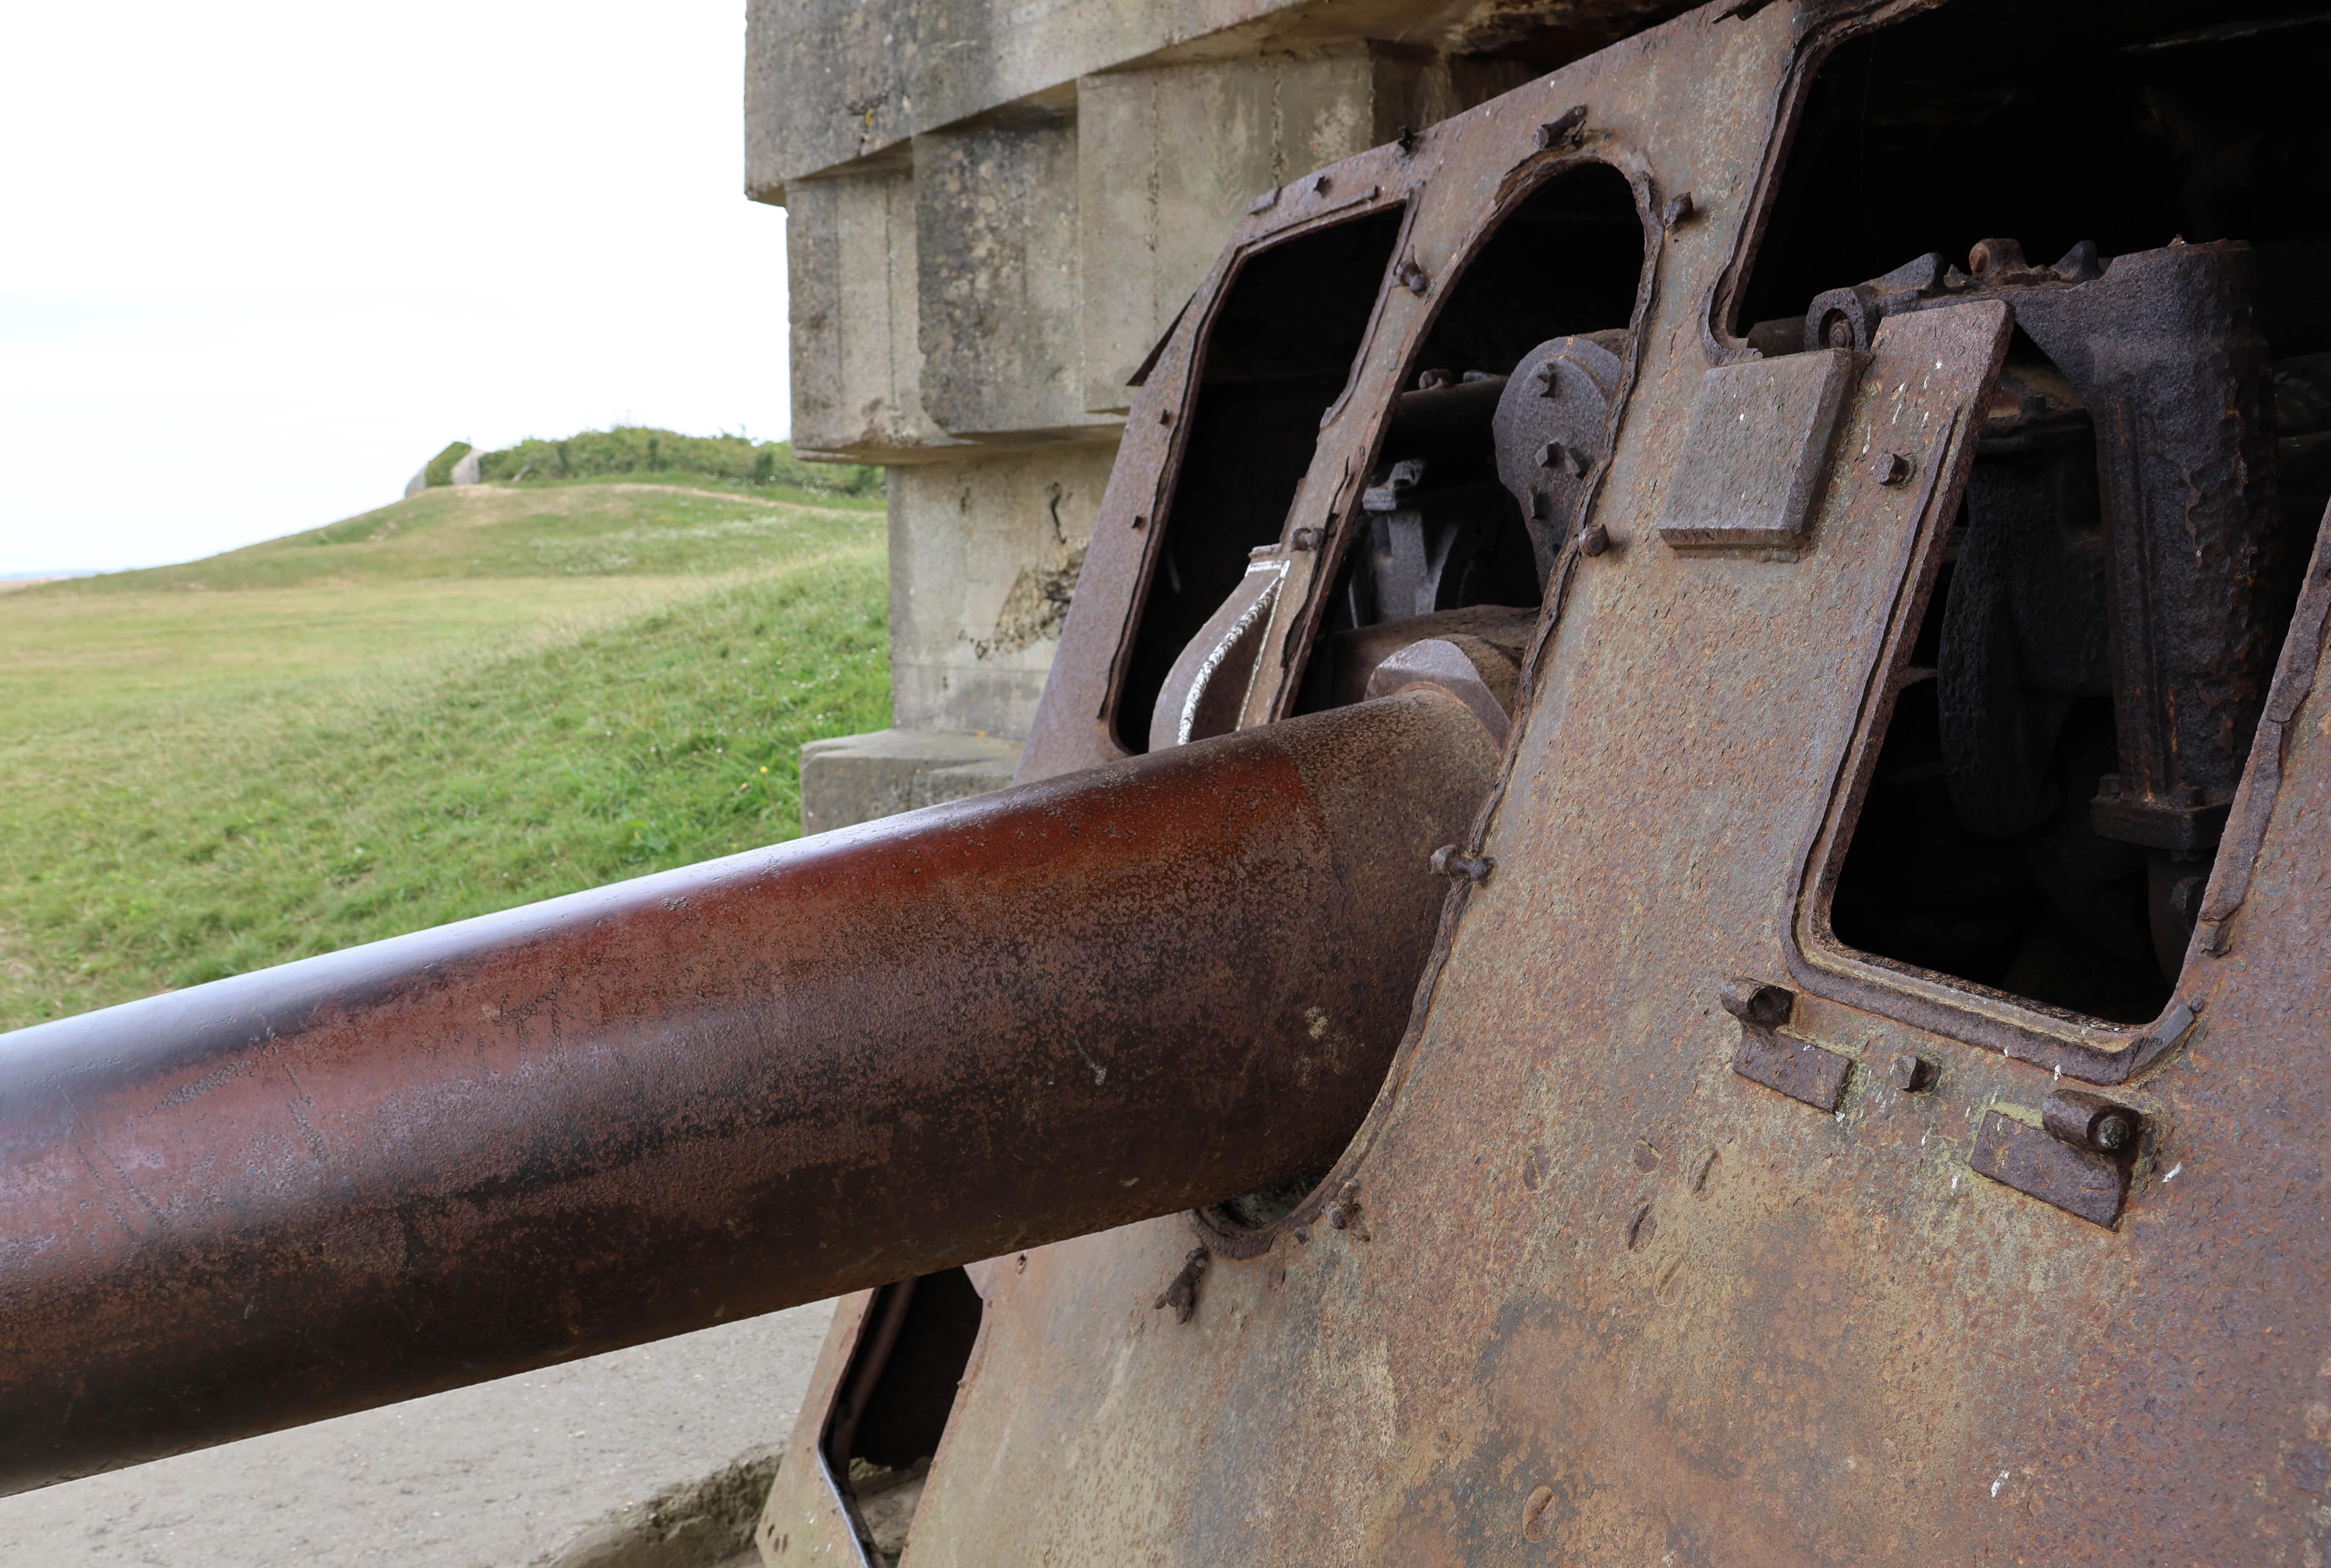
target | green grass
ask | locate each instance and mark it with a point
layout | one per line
(471, 700)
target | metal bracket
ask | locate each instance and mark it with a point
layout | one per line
(1797, 1068)
(2078, 1159)
(1758, 448)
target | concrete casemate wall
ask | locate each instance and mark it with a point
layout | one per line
(997, 208)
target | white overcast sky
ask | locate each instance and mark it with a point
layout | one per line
(261, 259)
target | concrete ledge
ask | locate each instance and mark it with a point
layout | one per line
(856, 778)
(706, 1523)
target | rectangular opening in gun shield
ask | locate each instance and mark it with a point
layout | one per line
(1504, 418)
(894, 1401)
(1278, 350)
(2042, 799)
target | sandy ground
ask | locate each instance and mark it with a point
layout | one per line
(500, 1476)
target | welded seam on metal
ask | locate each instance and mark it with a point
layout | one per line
(1263, 604)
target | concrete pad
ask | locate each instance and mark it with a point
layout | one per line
(527, 1471)
(856, 778)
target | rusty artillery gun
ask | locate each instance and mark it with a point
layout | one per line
(1668, 905)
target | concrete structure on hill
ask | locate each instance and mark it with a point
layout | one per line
(995, 209)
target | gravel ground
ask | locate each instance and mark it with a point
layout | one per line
(499, 1475)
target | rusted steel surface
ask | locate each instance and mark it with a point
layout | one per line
(715, 1091)
(1475, 671)
(2078, 1180)
(1567, 1269)
(2199, 565)
(1355, 656)
(2190, 508)
(1760, 438)
(1583, 1290)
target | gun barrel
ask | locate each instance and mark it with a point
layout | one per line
(716, 1091)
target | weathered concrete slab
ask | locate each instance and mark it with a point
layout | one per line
(856, 778)
(999, 266)
(852, 281)
(830, 81)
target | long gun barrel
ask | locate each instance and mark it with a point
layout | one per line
(715, 1091)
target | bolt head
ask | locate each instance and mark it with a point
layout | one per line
(2113, 1132)
(1890, 468)
(1562, 130)
(1450, 862)
(1753, 1002)
(1837, 331)
(1595, 540)
(1910, 1072)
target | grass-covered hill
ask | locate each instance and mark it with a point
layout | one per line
(472, 698)
(628, 451)
(634, 451)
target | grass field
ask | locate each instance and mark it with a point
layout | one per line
(470, 699)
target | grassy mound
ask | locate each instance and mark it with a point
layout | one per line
(440, 469)
(638, 452)
(471, 700)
